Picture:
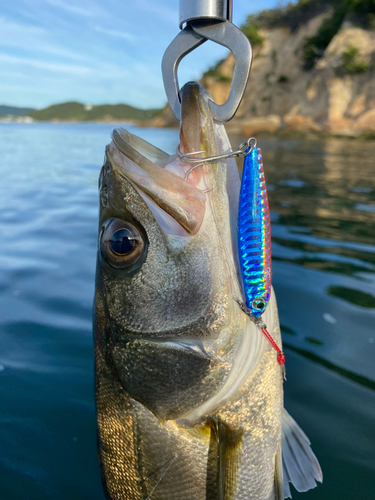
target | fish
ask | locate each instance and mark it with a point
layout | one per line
(189, 395)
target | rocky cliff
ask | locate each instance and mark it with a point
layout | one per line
(337, 95)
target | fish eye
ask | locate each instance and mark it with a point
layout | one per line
(122, 244)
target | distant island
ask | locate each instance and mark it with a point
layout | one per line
(78, 112)
(14, 111)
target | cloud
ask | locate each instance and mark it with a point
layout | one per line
(116, 34)
(31, 38)
(73, 9)
(63, 68)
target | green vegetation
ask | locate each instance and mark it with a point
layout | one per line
(250, 29)
(283, 79)
(215, 72)
(350, 61)
(294, 14)
(76, 111)
(14, 110)
(315, 46)
(360, 11)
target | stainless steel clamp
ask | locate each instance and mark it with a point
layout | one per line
(208, 20)
(195, 10)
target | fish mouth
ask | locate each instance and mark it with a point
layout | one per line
(181, 200)
(166, 182)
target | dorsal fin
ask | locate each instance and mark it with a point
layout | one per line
(300, 465)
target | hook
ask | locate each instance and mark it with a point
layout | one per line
(243, 149)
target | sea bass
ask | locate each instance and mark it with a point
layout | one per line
(189, 394)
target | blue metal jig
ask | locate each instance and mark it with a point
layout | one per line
(254, 234)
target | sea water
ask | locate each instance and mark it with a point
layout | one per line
(322, 200)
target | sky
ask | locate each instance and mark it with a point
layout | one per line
(96, 51)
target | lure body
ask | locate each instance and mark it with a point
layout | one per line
(254, 234)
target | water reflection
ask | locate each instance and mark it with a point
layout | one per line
(323, 245)
(287, 330)
(358, 379)
(313, 341)
(323, 182)
(353, 296)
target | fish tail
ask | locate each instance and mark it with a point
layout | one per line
(301, 467)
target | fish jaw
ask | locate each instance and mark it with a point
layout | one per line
(182, 200)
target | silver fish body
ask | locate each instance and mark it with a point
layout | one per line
(188, 391)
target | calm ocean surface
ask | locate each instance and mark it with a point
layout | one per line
(322, 198)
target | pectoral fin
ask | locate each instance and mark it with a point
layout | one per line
(300, 465)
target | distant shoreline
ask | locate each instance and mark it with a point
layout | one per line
(234, 128)
(76, 112)
(29, 120)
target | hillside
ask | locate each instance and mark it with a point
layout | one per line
(14, 110)
(75, 111)
(313, 70)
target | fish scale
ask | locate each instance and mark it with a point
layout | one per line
(254, 234)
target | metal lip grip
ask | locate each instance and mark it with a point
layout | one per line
(207, 21)
(191, 10)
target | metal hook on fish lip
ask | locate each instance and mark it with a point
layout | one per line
(244, 149)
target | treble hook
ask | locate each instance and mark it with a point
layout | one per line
(208, 20)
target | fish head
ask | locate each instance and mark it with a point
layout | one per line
(162, 266)
(167, 285)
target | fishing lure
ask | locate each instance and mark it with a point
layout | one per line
(254, 240)
(254, 234)
(254, 231)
